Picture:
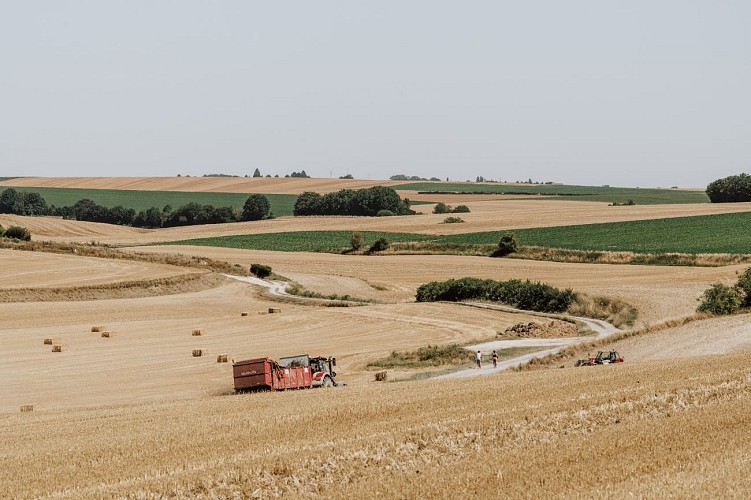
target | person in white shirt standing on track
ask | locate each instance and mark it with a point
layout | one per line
(478, 357)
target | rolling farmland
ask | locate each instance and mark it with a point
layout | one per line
(692, 235)
(136, 415)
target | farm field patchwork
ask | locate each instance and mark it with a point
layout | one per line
(135, 415)
(692, 235)
(640, 196)
(281, 204)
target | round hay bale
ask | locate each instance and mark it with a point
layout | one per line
(380, 376)
(106, 335)
(274, 310)
(57, 348)
(97, 329)
(25, 408)
(222, 358)
(47, 341)
(244, 313)
(197, 353)
(197, 333)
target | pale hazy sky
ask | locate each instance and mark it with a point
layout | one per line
(632, 93)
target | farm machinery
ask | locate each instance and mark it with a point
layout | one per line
(602, 358)
(293, 372)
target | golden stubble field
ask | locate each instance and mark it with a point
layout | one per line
(675, 429)
(136, 415)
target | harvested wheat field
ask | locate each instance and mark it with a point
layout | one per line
(677, 429)
(658, 292)
(270, 185)
(150, 357)
(45, 270)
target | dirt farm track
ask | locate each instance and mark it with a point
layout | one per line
(136, 415)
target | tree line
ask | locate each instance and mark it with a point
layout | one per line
(372, 201)
(256, 207)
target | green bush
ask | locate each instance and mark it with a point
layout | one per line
(744, 285)
(461, 209)
(256, 207)
(385, 213)
(735, 188)
(721, 299)
(506, 246)
(356, 240)
(379, 245)
(520, 294)
(2, 231)
(260, 270)
(442, 208)
(452, 220)
(17, 233)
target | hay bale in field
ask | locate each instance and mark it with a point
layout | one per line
(197, 333)
(97, 329)
(274, 310)
(222, 358)
(244, 313)
(48, 341)
(106, 334)
(57, 348)
(380, 376)
(25, 408)
(197, 353)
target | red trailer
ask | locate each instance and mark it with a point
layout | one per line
(295, 372)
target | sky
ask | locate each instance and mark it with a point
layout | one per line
(626, 93)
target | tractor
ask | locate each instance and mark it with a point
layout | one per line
(602, 358)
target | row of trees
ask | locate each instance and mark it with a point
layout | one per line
(376, 200)
(521, 294)
(734, 188)
(256, 207)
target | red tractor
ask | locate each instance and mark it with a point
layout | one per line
(602, 358)
(293, 372)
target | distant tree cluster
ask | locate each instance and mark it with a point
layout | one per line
(301, 174)
(256, 207)
(735, 188)
(376, 200)
(442, 208)
(402, 177)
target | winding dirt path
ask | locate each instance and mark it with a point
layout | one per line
(603, 329)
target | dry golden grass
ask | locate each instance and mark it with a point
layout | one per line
(675, 429)
(658, 292)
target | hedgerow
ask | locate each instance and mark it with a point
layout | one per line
(517, 293)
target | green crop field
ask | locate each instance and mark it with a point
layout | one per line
(300, 241)
(578, 193)
(723, 233)
(281, 204)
